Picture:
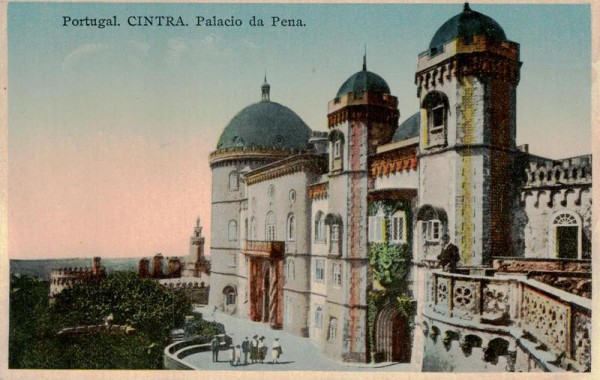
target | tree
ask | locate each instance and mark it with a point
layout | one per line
(142, 303)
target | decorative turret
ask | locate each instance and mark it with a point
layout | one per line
(266, 90)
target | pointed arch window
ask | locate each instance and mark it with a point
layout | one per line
(291, 228)
(253, 228)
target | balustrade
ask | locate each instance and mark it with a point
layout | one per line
(558, 321)
(271, 249)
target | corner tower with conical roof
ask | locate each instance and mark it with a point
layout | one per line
(362, 116)
(262, 133)
(466, 85)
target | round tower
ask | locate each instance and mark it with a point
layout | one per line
(259, 134)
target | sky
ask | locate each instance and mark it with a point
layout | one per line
(109, 130)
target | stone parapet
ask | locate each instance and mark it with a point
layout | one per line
(559, 322)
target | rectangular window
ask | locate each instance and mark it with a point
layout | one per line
(319, 270)
(337, 149)
(335, 233)
(319, 228)
(336, 274)
(376, 229)
(437, 118)
(432, 230)
(332, 329)
(398, 232)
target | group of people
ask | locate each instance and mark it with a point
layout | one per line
(256, 348)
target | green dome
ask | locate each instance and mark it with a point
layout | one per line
(363, 81)
(466, 25)
(266, 124)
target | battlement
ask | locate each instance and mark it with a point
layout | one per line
(569, 171)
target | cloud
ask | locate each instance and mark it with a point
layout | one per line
(81, 52)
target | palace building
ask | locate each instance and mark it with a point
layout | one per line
(335, 235)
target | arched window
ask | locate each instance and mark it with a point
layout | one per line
(334, 238)
(253, 228)
(336, 139)
(270, 227)
(319, 317)
(291, 227)
(290, 269)
(437, 108)
(233, 233)
(332, 329)
(320, 227)
(565, 233)
(398, 227)
(229, 295)
(234, 181)
(246, 229)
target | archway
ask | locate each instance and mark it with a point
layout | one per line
(565, 231)
(392, 336)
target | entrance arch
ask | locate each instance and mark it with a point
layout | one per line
(565, 235)
(392, 336)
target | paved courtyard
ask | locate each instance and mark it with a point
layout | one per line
(298, 353)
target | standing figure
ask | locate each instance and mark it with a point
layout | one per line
(450, 256)
(276, 350)
(238, 355)
(254, 349)
(262, 349)
(246, 349)
(231, 355)
(214, 346)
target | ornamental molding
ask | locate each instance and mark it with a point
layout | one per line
(311, 163)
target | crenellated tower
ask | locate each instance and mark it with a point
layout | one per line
(466, 85)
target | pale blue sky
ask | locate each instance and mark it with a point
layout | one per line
(110, 129)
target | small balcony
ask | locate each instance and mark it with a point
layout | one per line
(266, 249)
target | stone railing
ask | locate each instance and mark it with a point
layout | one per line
(559, 322)
(175, 353)
(270, 249)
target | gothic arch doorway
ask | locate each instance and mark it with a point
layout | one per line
(565, 235)
(392, 336)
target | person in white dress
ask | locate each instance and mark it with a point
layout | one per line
(276, 351)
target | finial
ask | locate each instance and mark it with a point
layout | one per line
(466, 7)
(198, 222)
(266, 89)
(365, 59)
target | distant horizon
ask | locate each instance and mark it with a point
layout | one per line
(110, 129)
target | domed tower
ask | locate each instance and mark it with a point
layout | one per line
(466, 85)
(362, 116)
(259, 134)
